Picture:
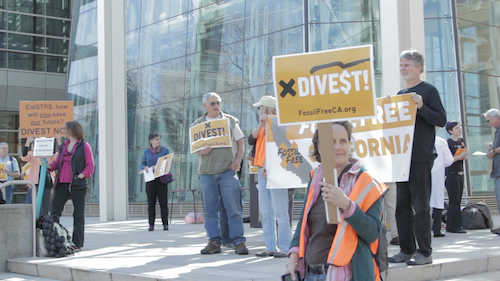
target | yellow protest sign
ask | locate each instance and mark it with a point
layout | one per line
(324, 86)
(213, 133)
(25, 170)
(163, 165)
(3, 176)
(44, 118)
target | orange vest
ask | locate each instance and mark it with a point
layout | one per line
(365, 193)
(260, 149)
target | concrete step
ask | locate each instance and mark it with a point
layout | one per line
(486, 276)
(7, 276)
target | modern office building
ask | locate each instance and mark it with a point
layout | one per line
(176, 51)
(34, 39)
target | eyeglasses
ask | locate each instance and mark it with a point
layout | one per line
(215, 103)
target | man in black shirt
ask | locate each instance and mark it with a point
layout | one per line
(412, 207)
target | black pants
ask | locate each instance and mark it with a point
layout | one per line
(61, 195)
(455, 187)
(437, 217)
(156, 189)
(413, 210)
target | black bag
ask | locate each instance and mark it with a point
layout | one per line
(476, 216)
(57, 238)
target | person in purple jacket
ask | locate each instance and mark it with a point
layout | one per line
(74, 164)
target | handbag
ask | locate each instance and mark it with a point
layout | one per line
(167, 178)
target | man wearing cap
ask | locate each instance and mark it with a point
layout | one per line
(273, 203)
(217, 173)
(492, 117)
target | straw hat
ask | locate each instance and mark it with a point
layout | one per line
(266, 101)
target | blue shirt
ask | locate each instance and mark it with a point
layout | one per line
(147, 157)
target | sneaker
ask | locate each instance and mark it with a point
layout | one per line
(241, 249)
(211, 248)
(394, 241)
(281, 255)
(228, 245)
(165, 227)
(419, 259)
(151, 228)
(401, 257)
(495, 231)
(265, 254)
(438, 234)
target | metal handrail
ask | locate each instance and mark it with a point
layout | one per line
(33, 204)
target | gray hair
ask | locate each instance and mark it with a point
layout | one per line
(492, 112)
(415, 56)
(209, 95)
(4, 143)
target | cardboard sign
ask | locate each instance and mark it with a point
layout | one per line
(25, 170)
(324, 86)
(44, 147)
(382, 144)
(163, 165)
(3, 176)
(288, 154)
(44, 118)
(213, 133)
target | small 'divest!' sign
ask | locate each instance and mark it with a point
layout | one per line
(44, 147)
(44, 118)
(214, 133)
(325, 86)
(163, 165)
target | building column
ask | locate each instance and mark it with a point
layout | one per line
(401, 27)
(112, 110)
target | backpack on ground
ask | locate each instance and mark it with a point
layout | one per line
(476, 216)
(57, 239)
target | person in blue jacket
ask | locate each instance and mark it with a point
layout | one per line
(155, 188)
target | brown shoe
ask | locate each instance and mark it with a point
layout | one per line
(211, 248)
(241, 249)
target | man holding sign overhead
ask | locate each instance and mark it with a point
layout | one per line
(218, 163)
(412, 207)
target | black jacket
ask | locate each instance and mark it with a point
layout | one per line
(77, 165)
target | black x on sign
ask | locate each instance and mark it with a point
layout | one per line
(287, 88)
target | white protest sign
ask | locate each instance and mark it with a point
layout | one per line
(44, 147)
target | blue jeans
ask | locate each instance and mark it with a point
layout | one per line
(9, 191)
(225, 186)
(314, 277)
(497, 190)
(273, 204)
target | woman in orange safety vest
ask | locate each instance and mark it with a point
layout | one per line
(322, 251)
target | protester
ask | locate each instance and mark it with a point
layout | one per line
(389, 207)
(412, 207)
(217, 173)
(338, 252)
(273, 203)
(74, 163)
(455, 177)
(155, 188)
(444, 159)
(492, 117)
(34, 176)
(11, 169)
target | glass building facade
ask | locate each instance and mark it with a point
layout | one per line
(179, 50)
(34, 43)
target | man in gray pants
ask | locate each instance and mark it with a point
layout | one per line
(492, 116)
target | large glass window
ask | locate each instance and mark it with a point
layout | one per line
(263, 17)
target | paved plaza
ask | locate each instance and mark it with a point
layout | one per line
(125, 250)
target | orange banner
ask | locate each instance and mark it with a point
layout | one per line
(44, 118)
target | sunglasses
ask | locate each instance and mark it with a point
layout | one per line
(215, 103)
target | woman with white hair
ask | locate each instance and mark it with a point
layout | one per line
(273, 203)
